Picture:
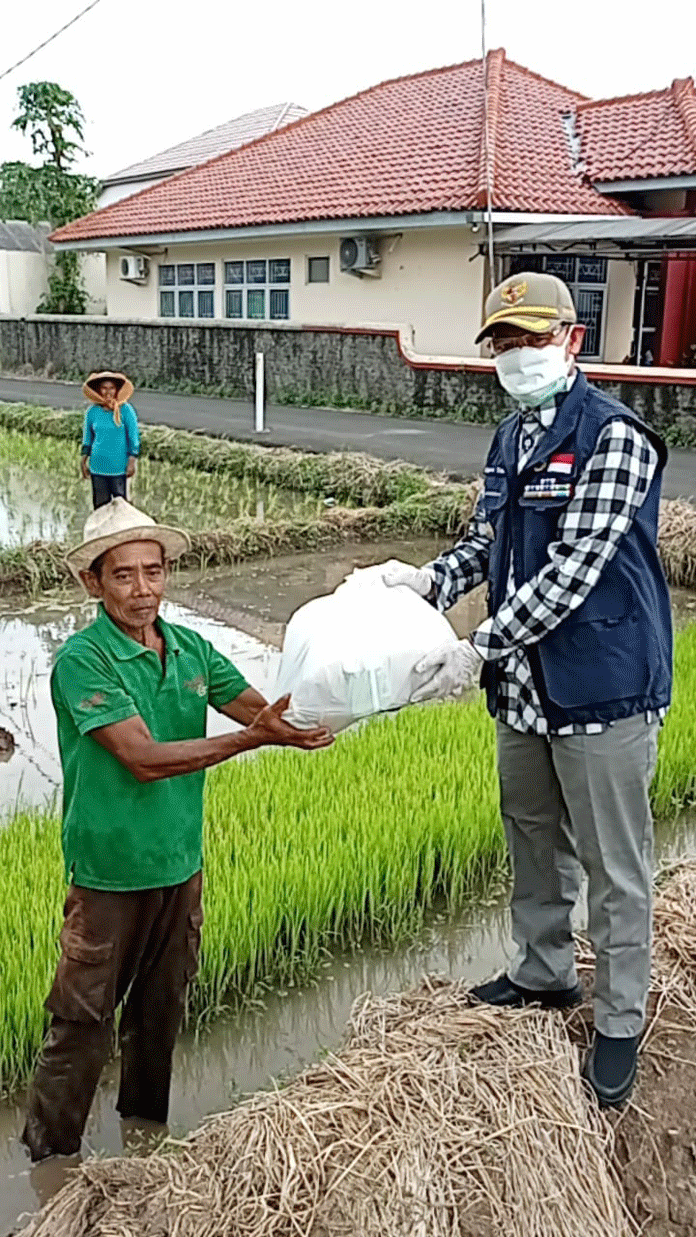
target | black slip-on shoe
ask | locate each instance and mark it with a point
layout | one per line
(502, 991)
(610, 1068)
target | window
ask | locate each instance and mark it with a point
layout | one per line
(257, 288)
(187, 290)
(317, 270)
(586, 276)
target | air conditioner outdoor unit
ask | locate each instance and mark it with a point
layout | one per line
(358, 255)
(135, 267)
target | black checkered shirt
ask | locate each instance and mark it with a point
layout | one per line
(607, 495)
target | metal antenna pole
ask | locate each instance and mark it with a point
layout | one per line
(486, 146)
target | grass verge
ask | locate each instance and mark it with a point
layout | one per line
(303, 853)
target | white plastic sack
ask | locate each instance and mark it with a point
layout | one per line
(352, 654)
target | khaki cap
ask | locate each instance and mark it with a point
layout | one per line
(531, 300)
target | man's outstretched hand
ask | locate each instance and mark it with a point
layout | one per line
(268, 727)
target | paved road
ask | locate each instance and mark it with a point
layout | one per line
(459, 449)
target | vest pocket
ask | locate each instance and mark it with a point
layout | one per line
(495, 494)
(594, 662)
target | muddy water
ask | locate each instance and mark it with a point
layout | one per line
(243, 612)
(259, 596)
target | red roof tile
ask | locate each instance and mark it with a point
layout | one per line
(411, 145)
(640, 136)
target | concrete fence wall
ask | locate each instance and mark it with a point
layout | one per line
(374, 368)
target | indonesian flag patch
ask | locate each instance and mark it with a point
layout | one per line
(561, 463)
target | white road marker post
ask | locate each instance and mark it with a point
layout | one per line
(260, 396)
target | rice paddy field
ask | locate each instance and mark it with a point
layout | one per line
(309, 858)
(30, 510)
(239, 501)
(308, 853)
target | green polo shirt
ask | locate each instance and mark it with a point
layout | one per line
(118, 833)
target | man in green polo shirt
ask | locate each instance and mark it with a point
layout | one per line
(131, 694)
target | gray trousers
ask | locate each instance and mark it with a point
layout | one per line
(581, 802)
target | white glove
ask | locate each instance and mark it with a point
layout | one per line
(418, 578)
(452, 669)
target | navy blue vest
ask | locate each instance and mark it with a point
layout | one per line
(612, 657)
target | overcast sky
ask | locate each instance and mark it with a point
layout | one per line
(149, 74)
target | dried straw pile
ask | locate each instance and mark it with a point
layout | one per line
(437, 1120)
(674, 951)
(678, 541)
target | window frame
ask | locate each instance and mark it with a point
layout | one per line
(318, 258)
(249, 288)
(195, 288)
(538, 261)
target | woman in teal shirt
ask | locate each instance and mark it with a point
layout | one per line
(110, 441)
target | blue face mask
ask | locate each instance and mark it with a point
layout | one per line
(534, 375)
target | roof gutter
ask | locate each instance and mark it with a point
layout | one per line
(310, 227)
(642, 186)
(143, 177)
(318, 227)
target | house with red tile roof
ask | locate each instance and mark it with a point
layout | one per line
(376, 210)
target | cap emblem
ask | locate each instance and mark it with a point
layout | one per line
(513, 293)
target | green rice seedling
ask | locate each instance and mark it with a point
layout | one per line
(304, 852)
(675, 780)
(357, 843)
(30, 921)
(169, 492)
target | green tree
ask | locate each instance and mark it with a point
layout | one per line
(53, 120)
(44, 193)
(50, 114)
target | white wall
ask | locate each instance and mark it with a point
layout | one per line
(94, 278)
(621, 285)
(426, 280)
(114, 193)
(24, 281)
(130, 300)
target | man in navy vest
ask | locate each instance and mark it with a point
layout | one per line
(576, 661)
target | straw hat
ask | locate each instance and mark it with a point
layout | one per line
(117, 523)
(124, 386)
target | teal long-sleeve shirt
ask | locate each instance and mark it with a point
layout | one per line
(108, 445)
